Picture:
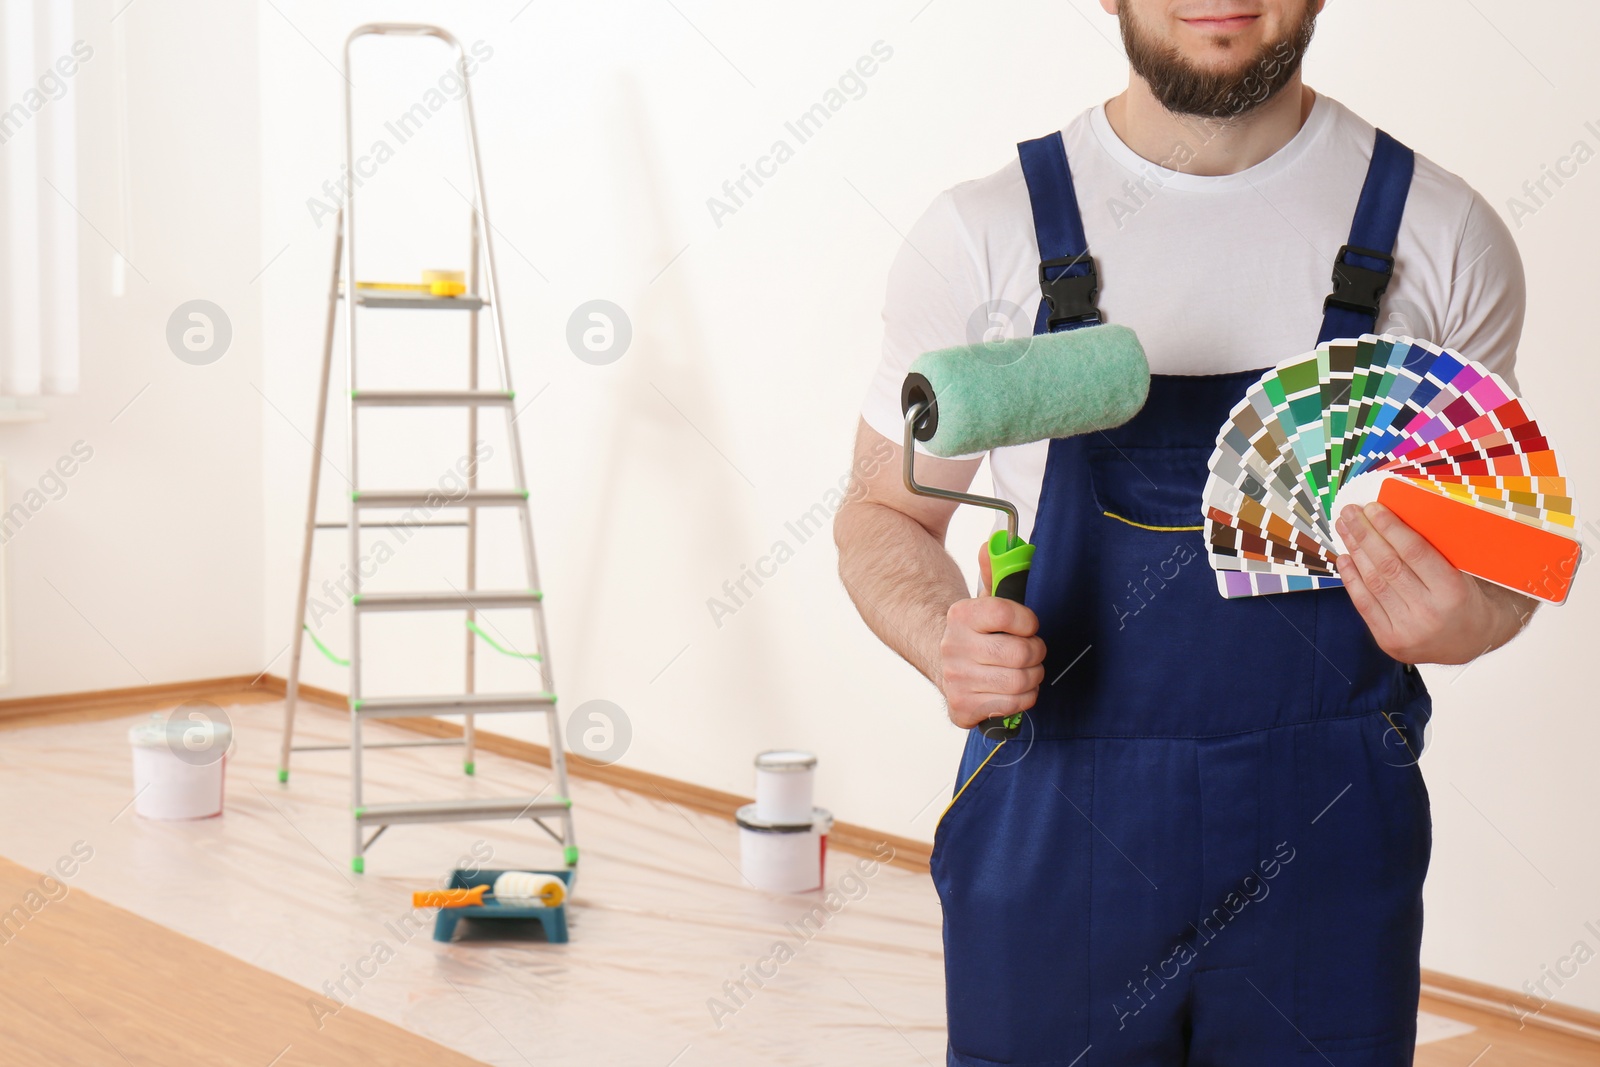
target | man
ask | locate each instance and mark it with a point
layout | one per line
(1207, 843)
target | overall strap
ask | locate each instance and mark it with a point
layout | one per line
(1067, 276)
(1365, 265)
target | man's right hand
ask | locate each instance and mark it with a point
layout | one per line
(991, 657)
(983, 653)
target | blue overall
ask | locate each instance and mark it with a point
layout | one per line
(1207, 843)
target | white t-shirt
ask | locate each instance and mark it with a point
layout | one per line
(1215, 274)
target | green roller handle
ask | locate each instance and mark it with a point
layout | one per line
(1009, 559)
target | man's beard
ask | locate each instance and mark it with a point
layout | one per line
(1187, 90)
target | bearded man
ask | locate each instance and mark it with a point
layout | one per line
(1205, 843)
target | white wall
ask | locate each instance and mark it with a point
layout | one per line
(141, 566)
(658, 478)
(1516, 740)
(606, 127)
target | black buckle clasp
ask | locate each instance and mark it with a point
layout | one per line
(1357, 288)
(1071, 297)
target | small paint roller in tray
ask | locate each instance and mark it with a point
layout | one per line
(511, 889)
(967, 400)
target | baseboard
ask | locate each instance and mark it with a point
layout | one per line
(311, 694)
(1517, 1007)
(113, 703)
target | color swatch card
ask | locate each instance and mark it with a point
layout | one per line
(1436, 438)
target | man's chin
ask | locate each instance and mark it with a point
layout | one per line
(1212, 74)
(1231, 66)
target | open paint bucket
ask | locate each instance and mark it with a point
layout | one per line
(783, 857)
(178, 766)
(784, 779)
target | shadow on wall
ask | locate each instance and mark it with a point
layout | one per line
(656, 467)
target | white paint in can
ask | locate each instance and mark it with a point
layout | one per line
(784, 785)
(786, 858)
(169, 787)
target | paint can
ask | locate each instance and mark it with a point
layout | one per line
(783, 857)
(784, 784)
(178, 767)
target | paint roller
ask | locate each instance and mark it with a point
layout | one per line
(970, 399)
(515, 889)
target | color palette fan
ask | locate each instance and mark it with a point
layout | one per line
(1436, 438)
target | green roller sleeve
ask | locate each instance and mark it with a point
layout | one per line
(1027, 389)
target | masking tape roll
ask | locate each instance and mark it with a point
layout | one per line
(434, 283)
(445, 282)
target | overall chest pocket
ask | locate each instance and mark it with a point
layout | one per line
(1152, 487)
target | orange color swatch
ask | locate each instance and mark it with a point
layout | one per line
(1496, 549)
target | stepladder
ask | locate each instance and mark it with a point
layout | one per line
(411, 509)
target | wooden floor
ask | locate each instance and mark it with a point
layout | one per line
(661, 921)
(88, 982)
(1498, 1043)
(83, 982)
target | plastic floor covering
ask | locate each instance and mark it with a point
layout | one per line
(665, 937)
(673, 959)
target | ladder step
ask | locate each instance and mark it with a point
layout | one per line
(460, 810)
(367, 746)
(396, 524)
(431, 398)
(464, 302)
(459, 704)
(438, 498)
(471, 598)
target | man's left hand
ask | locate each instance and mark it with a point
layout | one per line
(1419, 607)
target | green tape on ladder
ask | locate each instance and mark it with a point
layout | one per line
(571, 855)
(335, 660)
(497, 646)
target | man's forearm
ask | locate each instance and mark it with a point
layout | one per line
(901, 579)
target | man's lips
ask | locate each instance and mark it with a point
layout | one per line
(1221, 25)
